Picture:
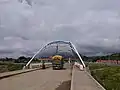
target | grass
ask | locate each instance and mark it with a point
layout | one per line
(5, 67)
(108, 76)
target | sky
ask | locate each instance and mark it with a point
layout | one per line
(92, 25)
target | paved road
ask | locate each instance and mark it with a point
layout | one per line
(37, 80)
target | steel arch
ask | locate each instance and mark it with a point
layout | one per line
(72, 46)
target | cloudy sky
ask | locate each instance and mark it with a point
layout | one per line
(92, 25)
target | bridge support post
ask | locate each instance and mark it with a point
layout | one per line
(43, 64)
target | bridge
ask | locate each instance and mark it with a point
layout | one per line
(70, 78)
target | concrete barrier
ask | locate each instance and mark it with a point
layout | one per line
(96, 81)
(82, 80)
(39, 65)
(80, 66)
(71, 88)
(13, 73)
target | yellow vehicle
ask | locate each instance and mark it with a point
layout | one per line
(57, 62)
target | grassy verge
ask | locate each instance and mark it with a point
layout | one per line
(5, 67)
(108, 76)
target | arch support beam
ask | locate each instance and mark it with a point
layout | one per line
(34, 57)
(75, 50)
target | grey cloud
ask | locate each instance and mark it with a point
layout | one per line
(93, 24)
(107, 5)
(27, 53)
(6, 51)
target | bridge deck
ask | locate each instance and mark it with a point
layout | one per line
(47, 79)
(83, 81)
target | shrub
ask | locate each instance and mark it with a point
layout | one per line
(5, 67)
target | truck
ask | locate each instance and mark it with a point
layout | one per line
(57, 62)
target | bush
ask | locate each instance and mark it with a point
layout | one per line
(94, 66)
(5, 67)
(13, 67)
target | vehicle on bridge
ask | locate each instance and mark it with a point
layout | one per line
(57, 62)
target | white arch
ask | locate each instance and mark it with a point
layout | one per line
(64, 42)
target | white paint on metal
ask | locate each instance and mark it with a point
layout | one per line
(74, 48)
(66, 42)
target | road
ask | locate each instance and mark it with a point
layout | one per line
(47, 79)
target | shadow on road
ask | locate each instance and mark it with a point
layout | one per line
(64, 86)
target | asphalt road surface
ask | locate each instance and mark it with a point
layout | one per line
(47, 79)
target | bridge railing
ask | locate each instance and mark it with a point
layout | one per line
(39, 65)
